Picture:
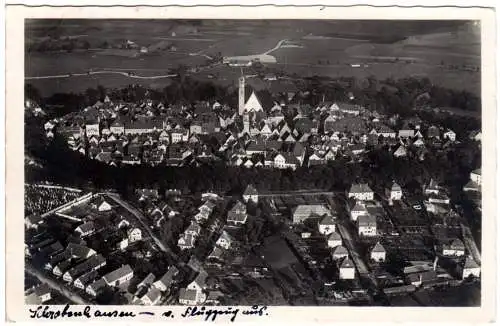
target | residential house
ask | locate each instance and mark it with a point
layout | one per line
(378, 253)
(361, 191)
(84, 280)
(326, 225)
(432, 188)
(119, 276)
(165, 282)
(339, 252)
(92, 264)
(103, 206)
(225, 240)
(367, 225)
(433, 132)
(188, 297)
(470, 268)
(33, 221)
(304, 212)
(96, 287)
(316, 159)
(455, 248)
(238, 214)
(358, 210)
(193, 229)
(476, 176)
(450, 134)
(347, 270)
(406, 131)
(400, 152)
(334, 240)
(198, 285)
(92, 129)
(134, 234)
(395, 193)
(85, 229)
(186, 241)
(43, 292)
(117, 127)
(78, 251)
(152, 297)
(285, 161)
(250, 194)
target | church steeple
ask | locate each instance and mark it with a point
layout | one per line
(241, 94)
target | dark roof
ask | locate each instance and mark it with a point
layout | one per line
(250, 191)
(118, 273)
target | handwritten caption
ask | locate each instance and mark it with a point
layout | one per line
(200, 313)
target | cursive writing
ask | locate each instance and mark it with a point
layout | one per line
(46, 312)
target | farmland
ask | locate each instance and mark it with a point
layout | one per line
(449, 54)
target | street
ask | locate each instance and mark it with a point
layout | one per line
(74, 297)
(145, 226)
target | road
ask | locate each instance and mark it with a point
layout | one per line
(72, 296)
(145, 226)
(276, 47)
(470, 243)
(126, 74)
(349, 242)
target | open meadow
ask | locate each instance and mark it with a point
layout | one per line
(324, 48)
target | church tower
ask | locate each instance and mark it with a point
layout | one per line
(241, 96)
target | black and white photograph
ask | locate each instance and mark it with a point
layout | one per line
(252, 162)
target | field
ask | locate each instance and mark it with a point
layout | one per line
(446, 52)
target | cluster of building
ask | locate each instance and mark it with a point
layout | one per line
(263, 132)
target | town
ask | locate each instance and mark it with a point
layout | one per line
(368, 242)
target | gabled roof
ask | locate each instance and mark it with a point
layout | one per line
(470, 263)
(117, 274)
(367, 221)
(153, 294)
(477, 171)
(378, 248)
(347, 263)
(250, 191)
(334, 236)
(395, 187)
(360, 188)
(188, 295)
(340, 250)
(327, 220)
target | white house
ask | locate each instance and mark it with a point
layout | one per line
(367, 225)
(225, 240)
(470, 268)
(85, 229)
(134, 234)
(251, 194)
(455, 248)
(361, 191)
(358, 210)
(334, 240)
(152, 297)
(104, 206)
(326, 225)
(339, 252)
(119, 276)
(92, 130)
(43, 292)
(186, 241)
(400, 152)
(347, 271)
(450, 134)
(395, 193)
(476, 176)
(378, 253)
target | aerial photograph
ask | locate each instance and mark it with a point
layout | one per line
(252, 162)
